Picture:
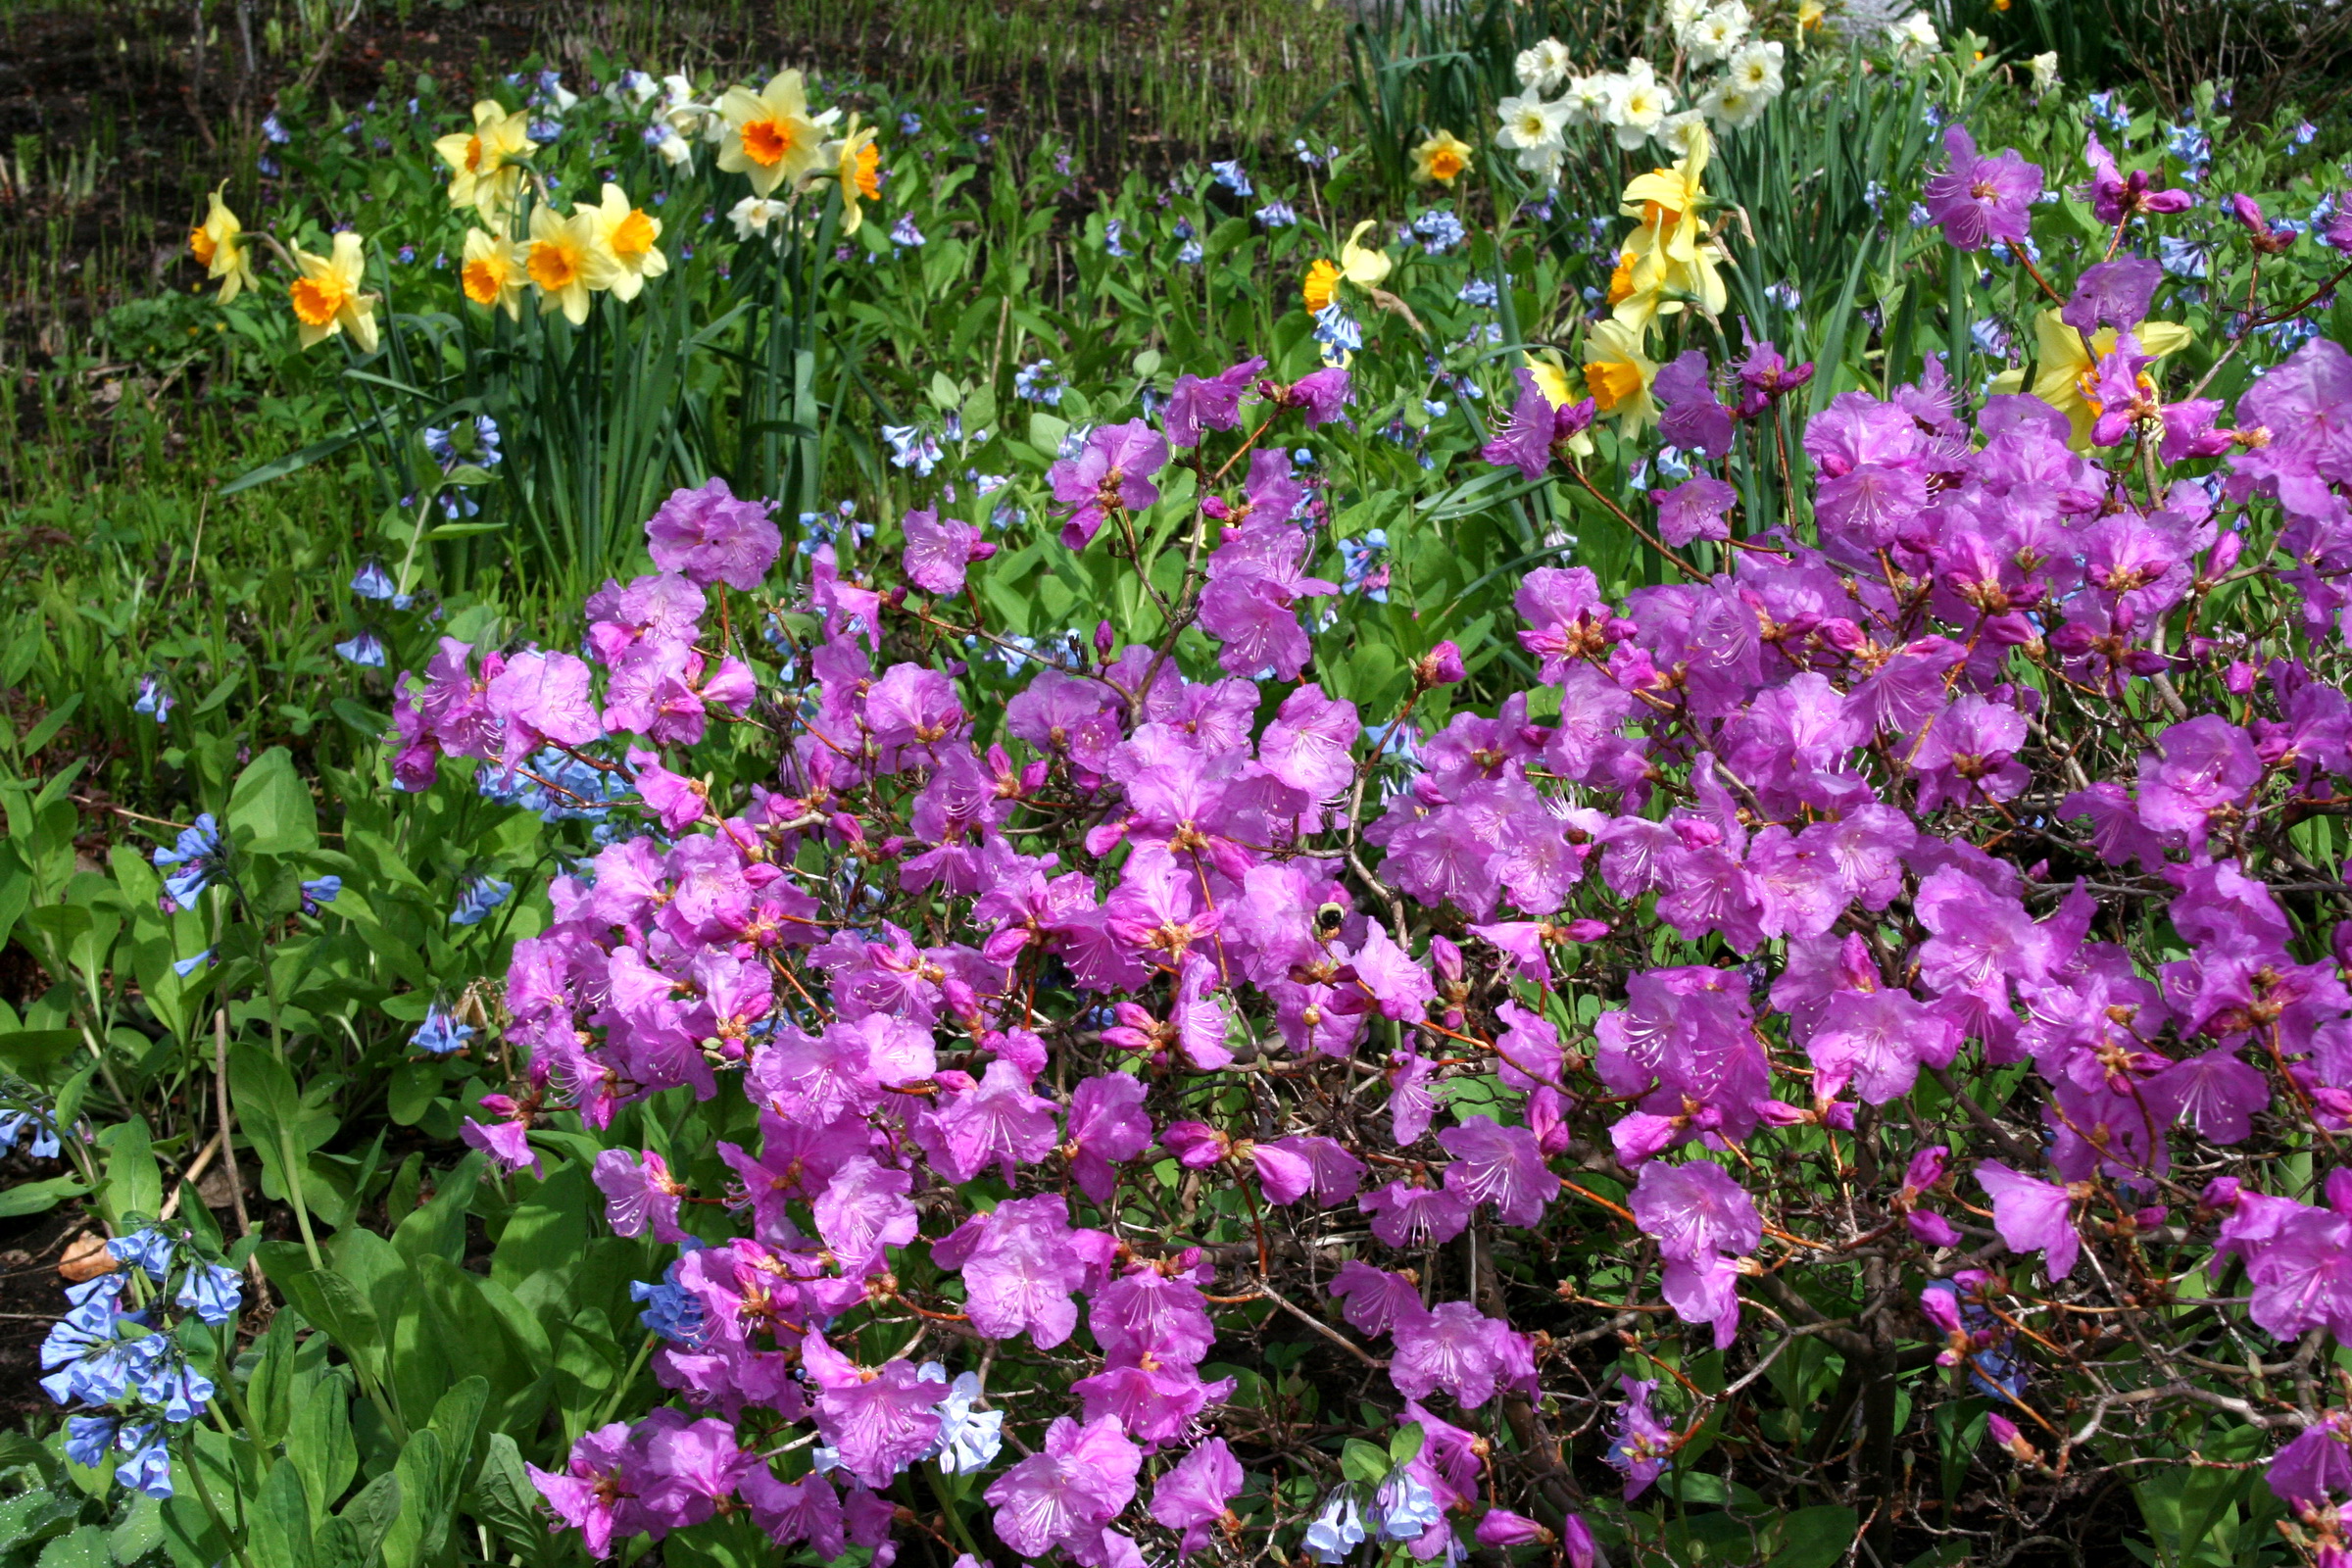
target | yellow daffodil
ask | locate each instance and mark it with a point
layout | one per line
(857, 166)
(1321, 287)
(218, 242)
(1441, 158)
(769, 134)
(1618, 375)
(1668, 259)
(622, 248)
(2070, 366)
(1359, 265)
(493, 274)
(557, 262)
(486, 165)
(326, 296)
(1810, 13)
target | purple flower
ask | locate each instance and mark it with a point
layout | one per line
(1978, 200)
(2032, 1216)
(2115, 196)
(1641, 1446)
(1114, 470)
(1109, 1127)
(1191, 1495)
(1695, 510)
(2310, 1471)
(937, 553)
(2113, 294)
(878, 1420)
(1065, 1493)
(1453, 1347)
(1197, 406)
(1693, 1210)
(1500, 1166)
(2201, 766)
(1526, 437)
(1694, 419)
(711, 537)
(1019, 1265)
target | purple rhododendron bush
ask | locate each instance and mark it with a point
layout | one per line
(1856, 1051)
(1834, 1048)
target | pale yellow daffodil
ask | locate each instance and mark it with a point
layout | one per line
(559, 261)
(2069, 366)
(769, 135)
(1442, 158)
(1618, 375)
(1551, 376)
(327, 299)
(218, 242)
(856, 167)
(493, 274)
(622, 249)
(485, 164)
(1366, 269)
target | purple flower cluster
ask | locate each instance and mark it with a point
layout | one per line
(1849, 815)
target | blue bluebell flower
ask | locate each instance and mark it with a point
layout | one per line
(1278, 213)
(477, 896)
(42, 1141)
(1114, 234)
(148, 1249)
(903, 233)
(212, 1293)
(441, 1035)
(1439, 230)
(1036, 382)
(1479, 291)
(152, 700)
(191, 863)
(185, 967)
(1337, 1531)
(1405, 1508)
(1230, 175)
(363, 649)
(149, 1467)
(672, 1310)
(90, 1438)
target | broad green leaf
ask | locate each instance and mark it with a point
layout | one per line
(135, 1182)
(270, 808)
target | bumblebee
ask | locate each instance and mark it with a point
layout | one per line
(1328, 918)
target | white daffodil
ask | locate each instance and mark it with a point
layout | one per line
(1544, 67)
(1754, 68)
(1913, 39)
(1639, 107)
(1716, 32)
(1532, 129)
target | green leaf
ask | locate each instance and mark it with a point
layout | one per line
(85, 1547)
(280, 1520)
(40, 1198)
(1404, 1444)
(425, 1500)
(505, 1499)
(37, 1053)
(1815, 1538)
(270, 808)
(547, 1232)
(1363, 1462)
(414, 1085)
(135, 1182)
(321, 1446)
(329, 1301)
(369, 1515)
